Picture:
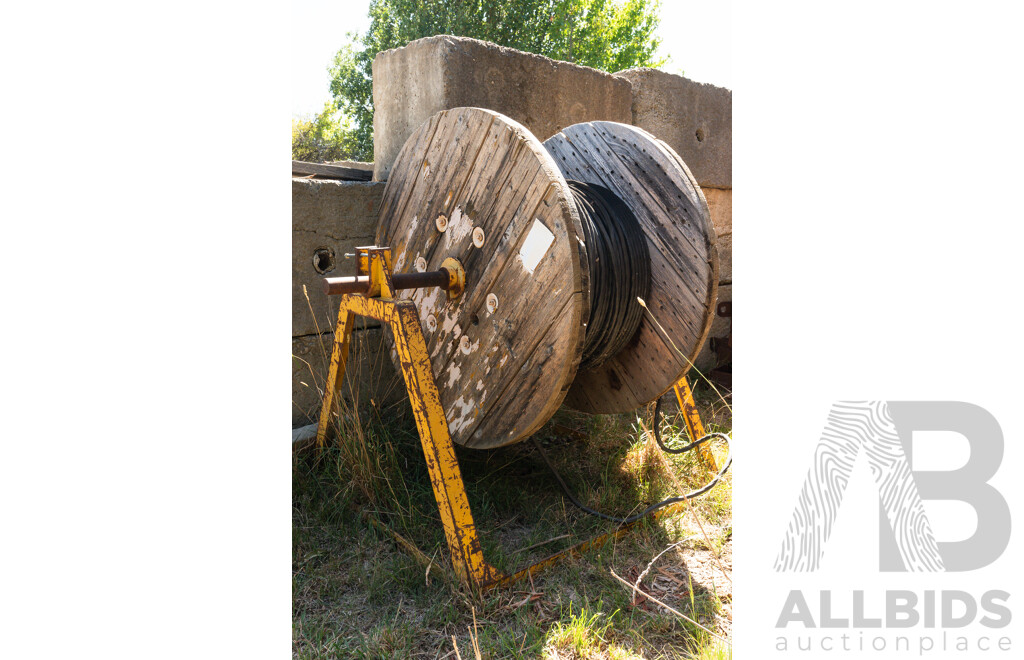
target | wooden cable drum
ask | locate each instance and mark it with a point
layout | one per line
(652, 180)
(504, 352)
(474, 185)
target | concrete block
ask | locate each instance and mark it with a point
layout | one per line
(721, 328)
(694, 118)
(370, 377)
(436, 73)
(329, 219)
(725, 258)
(722, 325)
(720, 204)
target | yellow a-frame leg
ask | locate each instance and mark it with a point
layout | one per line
(335, 373)
(438, 450)
(693, 424)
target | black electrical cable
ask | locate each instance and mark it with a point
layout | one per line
(659, 505)
(657, 434)
(620, 271)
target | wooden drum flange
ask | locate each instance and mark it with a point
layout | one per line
(652, 180)
(473, 185)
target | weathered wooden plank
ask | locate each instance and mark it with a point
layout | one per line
(484, 171)
(443, 343)
(443, 175)
(536, 374)
(531, 299)
(326, 171)
(448, 161)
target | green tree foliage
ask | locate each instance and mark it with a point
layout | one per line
(323, 137)
(610, 35)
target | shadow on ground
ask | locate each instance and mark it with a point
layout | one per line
(357, 594)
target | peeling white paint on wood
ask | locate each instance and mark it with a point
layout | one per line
(453, 373)
(460, 226)
(459, 417)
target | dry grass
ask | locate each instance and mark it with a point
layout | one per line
(357, 594)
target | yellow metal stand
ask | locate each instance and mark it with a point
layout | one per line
(438, 450)
(445, 477)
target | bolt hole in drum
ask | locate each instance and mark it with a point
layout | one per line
(552, 267)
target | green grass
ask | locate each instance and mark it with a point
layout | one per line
(356, 593)
(582, 634)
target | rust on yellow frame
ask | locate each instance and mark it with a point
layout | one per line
(693, 424)
(438, 450)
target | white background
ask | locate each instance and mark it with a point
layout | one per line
(145, 475)
(877, 256)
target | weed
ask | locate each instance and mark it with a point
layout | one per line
(581, 635)
(356, 593)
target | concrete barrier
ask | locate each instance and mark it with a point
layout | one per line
(694, 118)
(329, 219)
(720, 204)
(436, 73)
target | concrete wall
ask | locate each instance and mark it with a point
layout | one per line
(694, 118)
(329, 219)
(717, 350)
(429, 75)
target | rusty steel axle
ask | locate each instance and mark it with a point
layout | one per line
(334, 286)
(450, 277)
